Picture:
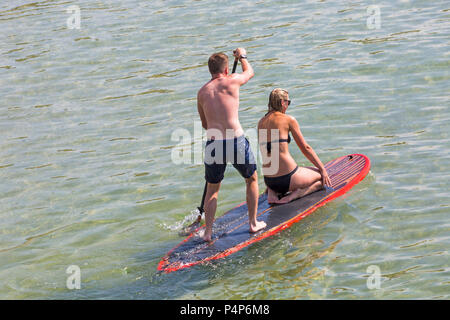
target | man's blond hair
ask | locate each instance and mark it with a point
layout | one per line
(276, 96)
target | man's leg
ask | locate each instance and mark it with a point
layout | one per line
(212, 193)
(252, 203)
(214, 172)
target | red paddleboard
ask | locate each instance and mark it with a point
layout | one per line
(230, 231)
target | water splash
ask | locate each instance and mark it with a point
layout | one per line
(179, 225)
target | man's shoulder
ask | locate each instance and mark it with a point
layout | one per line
(202, 89)
(224, 83)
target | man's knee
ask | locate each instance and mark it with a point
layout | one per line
(252, 179)
(213, 188)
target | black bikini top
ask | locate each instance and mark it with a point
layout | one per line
(269, 144)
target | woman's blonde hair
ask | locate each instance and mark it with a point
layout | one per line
(276, 96)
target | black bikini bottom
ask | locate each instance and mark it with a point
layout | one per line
(280, 184)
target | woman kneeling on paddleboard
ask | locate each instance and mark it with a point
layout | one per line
(281, 172)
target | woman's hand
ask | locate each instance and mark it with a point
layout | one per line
(325, 179)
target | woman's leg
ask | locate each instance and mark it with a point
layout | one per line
(303, 182)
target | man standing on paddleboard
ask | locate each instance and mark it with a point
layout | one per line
(218, 105)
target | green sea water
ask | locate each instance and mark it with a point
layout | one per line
(88, 109)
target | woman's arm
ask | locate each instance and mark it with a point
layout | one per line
(307, 150)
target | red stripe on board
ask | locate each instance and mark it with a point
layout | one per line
(347, 175)
(268, 233)
(344, 172)
(336, 168)
(344, 167)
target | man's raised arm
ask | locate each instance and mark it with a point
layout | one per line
(247, 70)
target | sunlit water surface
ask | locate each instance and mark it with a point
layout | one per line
(86, 167)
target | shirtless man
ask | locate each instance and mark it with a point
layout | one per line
(218, 104)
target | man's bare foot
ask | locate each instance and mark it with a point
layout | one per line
(206, 237)
(258, 226)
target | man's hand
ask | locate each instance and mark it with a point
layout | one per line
(239, 52)
(247, 70)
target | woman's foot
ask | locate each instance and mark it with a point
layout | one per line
(301, 192)
(272, 197)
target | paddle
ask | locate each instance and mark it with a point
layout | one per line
(201, 210)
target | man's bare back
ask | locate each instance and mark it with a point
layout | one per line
(219, 100)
